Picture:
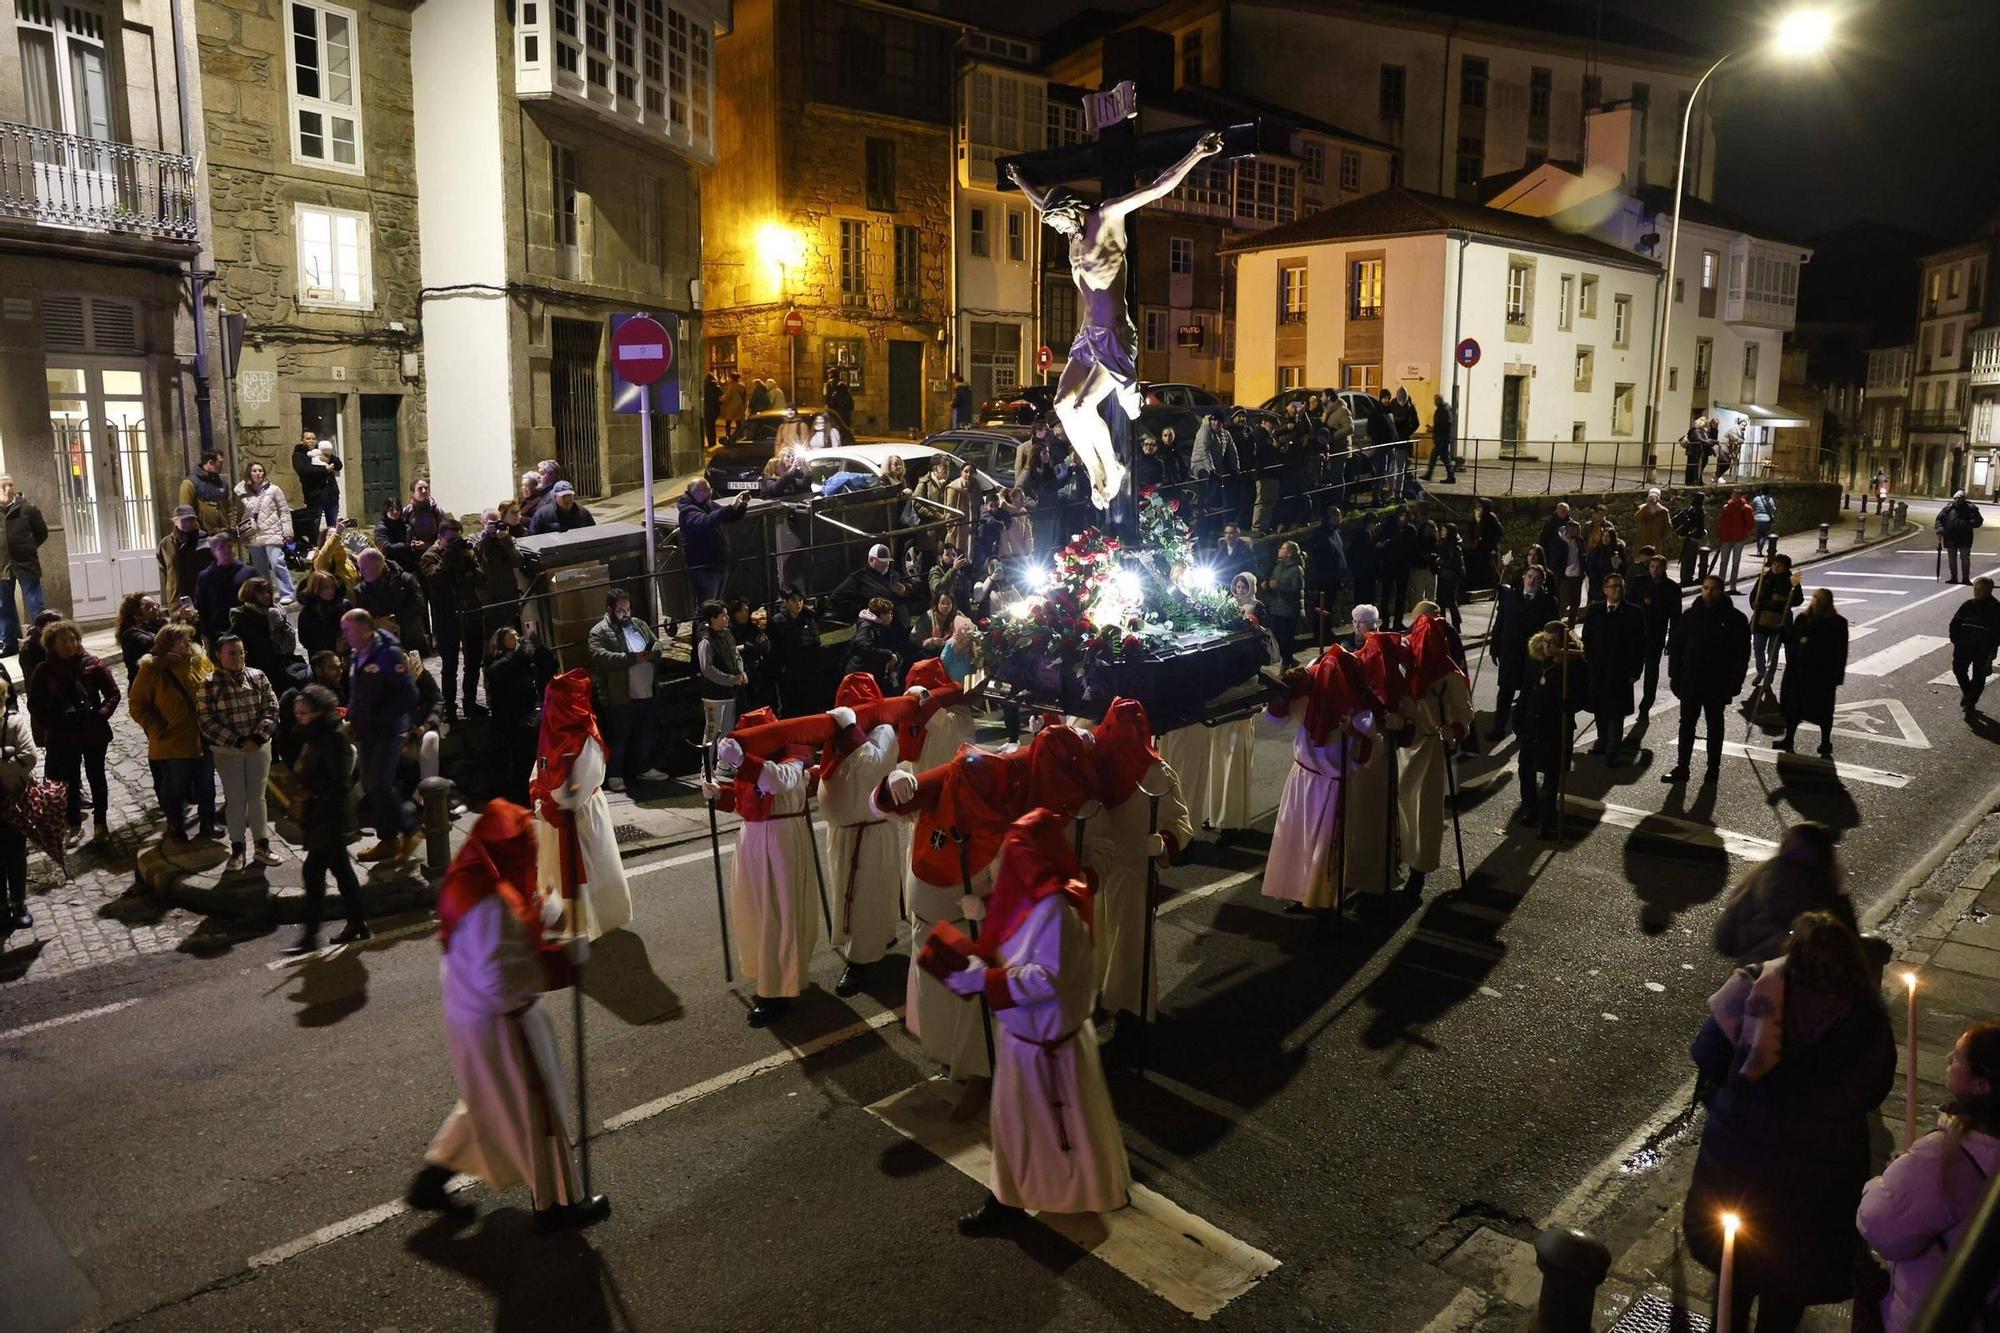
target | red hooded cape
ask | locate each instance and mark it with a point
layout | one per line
(1122, 751)
(1336, 688)
(1036, 862)
(766, 738)
(498, 857)
(1389, 665)
(1430, 644)
(568, 720)
(965, 806)
(1061, 773)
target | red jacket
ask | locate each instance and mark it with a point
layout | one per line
(1736, 521)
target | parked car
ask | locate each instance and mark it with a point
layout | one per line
(1022, 405)
(1178, 395)
(762, 431)
(1278, 401)
(989, 448)
(730, 472)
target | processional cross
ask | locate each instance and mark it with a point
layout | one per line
(1103, 360)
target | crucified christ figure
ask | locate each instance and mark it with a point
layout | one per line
(1101, 358)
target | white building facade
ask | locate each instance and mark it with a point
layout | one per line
(1003, 109)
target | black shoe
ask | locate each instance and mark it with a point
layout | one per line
(1783, 744)
(1548, 830)
(1826, 752)
(354, 934)
(211, 832)
(427, 1193)
(1613, 761)
(450, 713)
(1675, 775)
(1225, 837)
(307, 943)
(1296, 909)
(852, 978)
(1529, 814)
(989, 1217)
(474, 710)
(563, 1216)
(21, 920)
(1414, 885)
(765, 1011)
(1711, 775)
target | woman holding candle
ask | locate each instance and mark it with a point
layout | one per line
(1916, 1213)
(1796, 1055)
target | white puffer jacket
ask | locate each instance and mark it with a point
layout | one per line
(1916, 1212)
(266, 516)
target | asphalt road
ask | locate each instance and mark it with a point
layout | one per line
(1352, 1108)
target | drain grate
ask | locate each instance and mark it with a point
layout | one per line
(625, 833)
(1655, 1314)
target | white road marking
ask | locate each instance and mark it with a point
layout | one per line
(333, 950)
(1871, 592)
(1947, 591)
(1891, 725)
(1869, 574)
(1193, 1265)
(1898, 655)
(370, 1218)
(1874, 777)
(1181, 900)
(1741, 845)
(727, 847)
(1943, 678)
(66, 1019)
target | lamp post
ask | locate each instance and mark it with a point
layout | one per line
(1803, 32)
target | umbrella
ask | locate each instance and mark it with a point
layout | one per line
(41, 813)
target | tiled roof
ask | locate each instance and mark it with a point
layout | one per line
(1405, 212)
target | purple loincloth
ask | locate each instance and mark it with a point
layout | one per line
(1108, 349)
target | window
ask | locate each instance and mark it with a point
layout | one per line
(1017, 235)
(982, 244)
(1951, 281)
(1622, 397)
(1312, 162)
(1471, 159)
(1750, 353)
(1587, 303)
(1472, 81)
(1565, 295)
(853, 262)
(1350, 170)
(1924, 351)
(1211, 186)
(1579, 431)
(1365, 289)
(1586, 366)
(1291, 377)
(874, 59)
(1266, 191)
(1947, 341)
(1065, 124)
(1621, 321)
(1541, 90)
(844, 361)
(649, 61)
(1391, 96)
(995, 360)
(1593, 92)
(1975, 287)
(1180, 254)
(326, 103)
(1680, 291)
(722, 353)
(1291, 293)
(1159, 331)
(333, 258)
(909, 269)
(1191, 57)
(1704, 357)
(567, 198)
(1518, 278)
(1364, 376)
(68, 83)
(1673, 378)
(882, 175)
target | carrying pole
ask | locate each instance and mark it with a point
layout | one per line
(715, 859)
(1146, 960)
(972, 929)
(819, 872)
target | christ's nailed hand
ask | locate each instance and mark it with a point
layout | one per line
(1210, 144)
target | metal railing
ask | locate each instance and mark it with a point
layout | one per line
(65, 180)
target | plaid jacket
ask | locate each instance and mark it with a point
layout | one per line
(235, 711)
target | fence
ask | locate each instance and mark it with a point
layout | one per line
(1562, 467)
(66, 180)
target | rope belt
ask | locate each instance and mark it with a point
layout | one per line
(1048, 1050)
(853, 870)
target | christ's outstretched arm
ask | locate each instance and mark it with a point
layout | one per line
(1036, 197)
(1208, 146)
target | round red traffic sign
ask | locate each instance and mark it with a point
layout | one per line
(1468, 353)
(641, 351)
(795, 323)
(1044, 358)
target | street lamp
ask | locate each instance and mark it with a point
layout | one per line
(1801, 33)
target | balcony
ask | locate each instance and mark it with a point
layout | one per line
(1944, 419)
(94, 187)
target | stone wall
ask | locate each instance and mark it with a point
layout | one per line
(293, 350)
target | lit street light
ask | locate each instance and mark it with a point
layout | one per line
(1800, 34)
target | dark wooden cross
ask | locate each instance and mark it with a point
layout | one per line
(1111, 164)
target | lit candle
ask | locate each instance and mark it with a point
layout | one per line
(1910, 1068)
(1725, 1290)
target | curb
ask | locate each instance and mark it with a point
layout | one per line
(193, 879)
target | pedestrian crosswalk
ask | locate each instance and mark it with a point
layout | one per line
(1897, 655)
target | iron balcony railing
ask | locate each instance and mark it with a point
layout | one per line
(67, 181)
(1943, 419)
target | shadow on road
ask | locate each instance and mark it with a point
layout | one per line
(329, 989)
(15, 960)
(534, 1280)
(620, 977)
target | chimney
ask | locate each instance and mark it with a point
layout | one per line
(1611, 141)
(1143, 55)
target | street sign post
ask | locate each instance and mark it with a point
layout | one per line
(1044, 358)
(1468, 353)
(642, 356)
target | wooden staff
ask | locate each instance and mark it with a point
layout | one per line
(1146, 960)
(972, 928)
(715, 859)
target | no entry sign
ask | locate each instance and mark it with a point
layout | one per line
(1044, 358)
(1468, 353)
(795, 323)
(642, 363)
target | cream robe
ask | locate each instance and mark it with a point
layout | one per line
(603, 900)
(864, 852)
(1300, 867)
(1231, 748)
(1186, 751)
(950, 1030)
(773, 893)
(1114, 845)
(948, 729)
(512, 1122)
(1056, 1145)
(1420, 801)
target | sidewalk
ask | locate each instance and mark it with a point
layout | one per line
(1950, 929)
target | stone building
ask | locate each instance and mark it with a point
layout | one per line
(1953, 307)
(558, 145)
(313, 205)
(832, 195)
(98, 225)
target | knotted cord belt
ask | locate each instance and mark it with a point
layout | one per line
(853, 870)
(1048, 1050)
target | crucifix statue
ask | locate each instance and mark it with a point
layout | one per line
(1103, 362)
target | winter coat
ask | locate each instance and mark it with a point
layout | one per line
(208, 496)
(269, 643)
(611, 659)
(1756, 922)
(25, 532)
(1975, 629)
(554, 518)
(316, 479)
(1916, 1214)
(1652, 526)
(216, 595)
(1692, 522)
(1614, 641)
(1518, 618)
(1815, 667)
(795, 651)
(703, 545)
(71, 702)
(1772, 596)
(424, 520)
(380, 694)
(871, 650)
(1709, 652)
(1659, 600)
(1549, 695)
(324, 771)
(1957, 521)
(1736, 521)
(1326, 557)
(1286, 590)
(182, 556)
(133, 645)
(514, 685)
(734, 400)
(18, 755)
(451, 577)
(851, 598)
(263, 517)
(396, 598)
(163, 704)
(319, 625)
(1788, 1151)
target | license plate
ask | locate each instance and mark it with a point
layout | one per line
(742, 486)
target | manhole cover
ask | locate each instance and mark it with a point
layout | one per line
(1654, 1314)
(629, 833)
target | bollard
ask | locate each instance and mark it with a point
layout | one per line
(1573, 1267)
(1846, 502)
(1902, 514)
(1825, 529)
(1703, 555)
(1861, 526)
(436, 794)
